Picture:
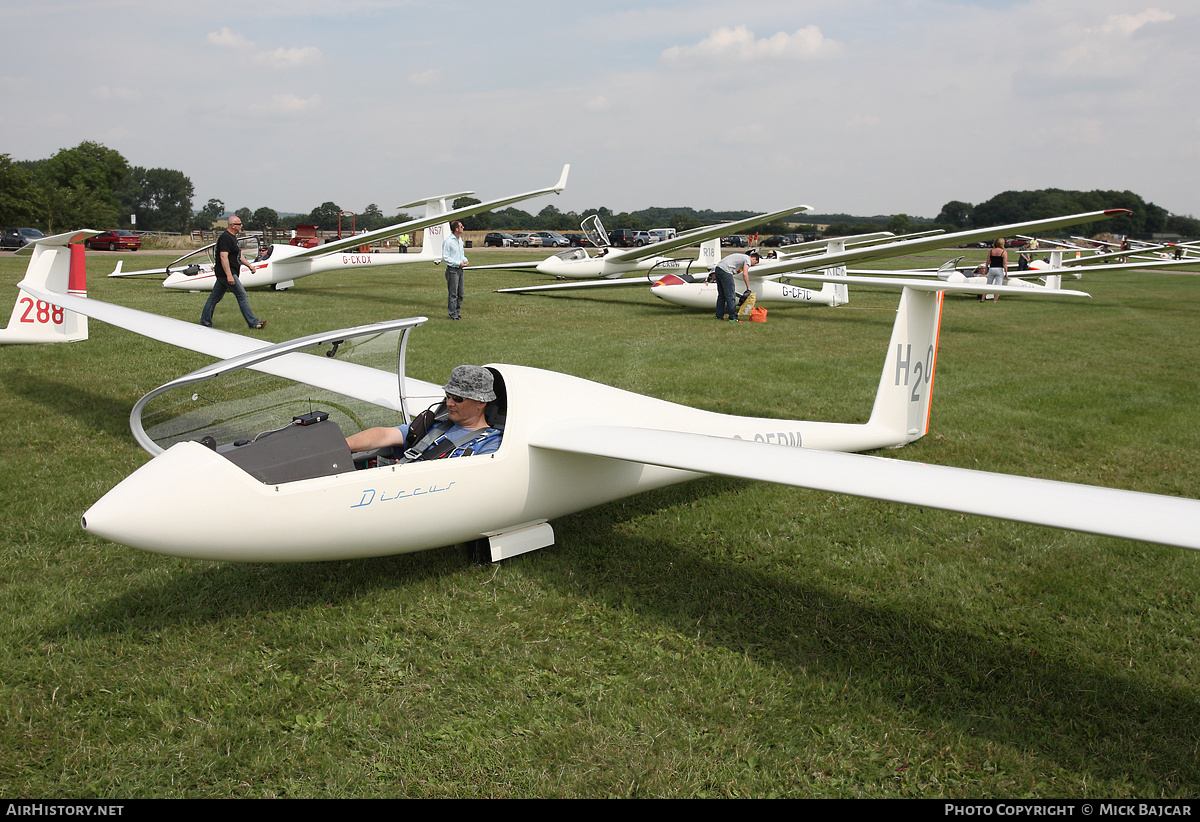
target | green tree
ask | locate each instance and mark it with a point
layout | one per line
(325, 216)
(263, 219)
(61, 208)
(213, 210)
(89, 166)
(956, 213)
(1184, 226)
(511, 219)
(900, 224)
(160, 197)
(479, 222)
(681, 222)
(77, 187)
(371, 218)
(18, 204)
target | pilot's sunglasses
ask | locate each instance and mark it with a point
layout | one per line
(455, 398)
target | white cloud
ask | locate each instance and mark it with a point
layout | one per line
(282, 58)
(425, 78)
(863, 122)
(294, 104)
(117, 94)
(228, 39)
(598, 103)
(1127, 24)
(739, 45)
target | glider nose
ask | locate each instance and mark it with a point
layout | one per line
(163, 506)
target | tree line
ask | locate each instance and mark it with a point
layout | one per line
(95, 186)
(1015, 206)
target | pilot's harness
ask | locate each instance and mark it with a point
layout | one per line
(427, 438)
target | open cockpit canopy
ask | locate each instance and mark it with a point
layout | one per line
(265, 389)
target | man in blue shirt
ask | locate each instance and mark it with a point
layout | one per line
(465, 430)
(456, 260)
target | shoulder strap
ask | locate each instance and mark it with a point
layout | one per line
(435, 444)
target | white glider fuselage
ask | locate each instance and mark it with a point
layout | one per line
(677, 291)
(577, 265)
(278, 269)
(397, 509)
(529, 480)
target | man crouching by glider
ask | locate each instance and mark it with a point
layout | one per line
(457, 428)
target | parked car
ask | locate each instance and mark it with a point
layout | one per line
(660, 234)
(526, 239)
(622, 237)
(627, 237)
(498, 239)
(113, 240)
(552, 239)
(579, 240)
(18, 237)
(736, 240)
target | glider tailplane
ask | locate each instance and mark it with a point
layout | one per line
(905, 387)
(53, 267)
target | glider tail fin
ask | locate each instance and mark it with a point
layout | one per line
(710, 253)
(57, 265)
(902, 403)
(840, 293)
(435, 235)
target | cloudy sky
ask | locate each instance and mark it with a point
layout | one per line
(847, 105)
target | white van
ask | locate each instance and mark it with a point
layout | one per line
(660, 234)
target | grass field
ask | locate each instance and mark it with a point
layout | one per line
(716, 639)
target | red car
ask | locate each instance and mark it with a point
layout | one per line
(112, 240)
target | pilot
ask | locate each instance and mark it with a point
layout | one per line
(462, 432)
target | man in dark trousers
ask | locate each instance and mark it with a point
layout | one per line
(456, 260)
(225, 277)
(724, 273)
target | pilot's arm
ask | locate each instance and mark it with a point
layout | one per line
(373, 438)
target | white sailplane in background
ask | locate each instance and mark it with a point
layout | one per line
(292, 491)
(612, 263)
(769, 279)
(284, 264)
(1049, 270)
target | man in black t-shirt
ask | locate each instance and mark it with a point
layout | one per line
(225, 277)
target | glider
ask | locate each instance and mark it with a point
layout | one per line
(768, 279)
(1049, 270)
(291, 491)
(577, 264)
(288, 263)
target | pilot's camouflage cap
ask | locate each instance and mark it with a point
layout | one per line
(471, 381)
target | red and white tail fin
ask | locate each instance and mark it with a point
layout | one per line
(57, 264)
